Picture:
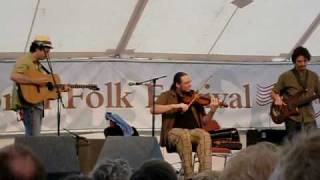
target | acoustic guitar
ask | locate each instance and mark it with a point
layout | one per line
(280, 114)
(34, 94)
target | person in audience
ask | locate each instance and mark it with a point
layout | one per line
(112, 170)
(207, 175)
(300, 158)
(77, 177)
(19, 163)
(256, 162)
(155, 170)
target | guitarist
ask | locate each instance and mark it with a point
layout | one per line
(31, 114)
(295, 81)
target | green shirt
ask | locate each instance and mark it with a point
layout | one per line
(24, 63)
(288, 85)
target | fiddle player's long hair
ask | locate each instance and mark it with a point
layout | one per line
(177, 79)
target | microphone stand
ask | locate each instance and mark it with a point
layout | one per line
(154, 83)
(78, 138)
(59, 99)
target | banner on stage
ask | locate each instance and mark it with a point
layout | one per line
(245, 87)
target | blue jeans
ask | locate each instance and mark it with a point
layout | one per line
(32, 120)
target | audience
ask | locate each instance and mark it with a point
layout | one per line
(300, 158)
(256, 162)
(207, 175)
(19, 163)
(155, 170)
(112, 170)
(77, 177)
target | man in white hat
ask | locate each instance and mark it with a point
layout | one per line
(31, 114)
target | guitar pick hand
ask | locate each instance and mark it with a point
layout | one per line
(279, 101)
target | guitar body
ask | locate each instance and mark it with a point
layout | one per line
(35, 94)
(280, 114)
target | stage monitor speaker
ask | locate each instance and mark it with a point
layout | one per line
(269, 135)
(134, 149)
(58, 153)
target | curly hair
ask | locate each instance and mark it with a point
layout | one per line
(300, 158)
(207, 175)
(255, 162)
(300, 51)
(112, 170)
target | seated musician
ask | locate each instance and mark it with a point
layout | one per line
(182, 123)
(31, 114)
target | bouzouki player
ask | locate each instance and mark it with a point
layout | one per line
(296, 81)
(31, 114)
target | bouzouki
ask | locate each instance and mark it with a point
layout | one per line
(34, 94)
(280, 114)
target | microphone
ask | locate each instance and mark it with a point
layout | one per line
(134, 83)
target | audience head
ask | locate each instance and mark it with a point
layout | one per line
(207, 175)
(300, 158)
(19, 163)
(256, 162)
(76, 177)
(112, 170)
(155, 170)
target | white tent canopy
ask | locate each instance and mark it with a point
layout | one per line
(169, 29)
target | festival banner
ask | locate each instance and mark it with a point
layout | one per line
(245, 87)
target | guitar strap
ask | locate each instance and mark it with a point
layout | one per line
(44, 68)
(304, 83)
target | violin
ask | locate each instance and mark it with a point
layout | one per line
(194, 97)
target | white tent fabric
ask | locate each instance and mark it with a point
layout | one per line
(261, 28)
(72, 25)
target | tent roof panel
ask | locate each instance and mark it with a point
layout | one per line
(15, 18)
(180, 26)
(76, 26)
(268, 27)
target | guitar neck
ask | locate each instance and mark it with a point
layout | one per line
(307, 100)
(77, 86)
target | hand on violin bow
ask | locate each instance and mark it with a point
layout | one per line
(184, 107)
